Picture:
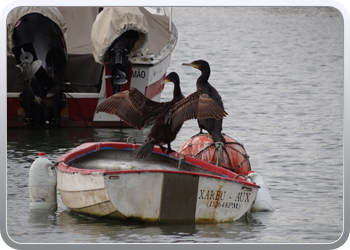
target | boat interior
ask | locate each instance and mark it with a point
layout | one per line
(120, 160)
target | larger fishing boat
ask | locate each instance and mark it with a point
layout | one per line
(62, 62)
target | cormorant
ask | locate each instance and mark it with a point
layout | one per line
(161, 133)
(179, 112)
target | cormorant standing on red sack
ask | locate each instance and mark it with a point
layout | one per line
(212, 125)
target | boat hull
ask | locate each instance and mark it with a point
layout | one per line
(150, 193)
(79, 110)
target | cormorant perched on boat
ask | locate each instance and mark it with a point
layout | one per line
(138, 111)
(183, 108)
(161, 133)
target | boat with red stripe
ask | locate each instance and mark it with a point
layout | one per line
(100, 179)
(96, 53)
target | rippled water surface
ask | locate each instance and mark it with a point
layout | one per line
(280, 74)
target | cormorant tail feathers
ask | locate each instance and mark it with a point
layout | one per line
(217, 136)
(144, 150)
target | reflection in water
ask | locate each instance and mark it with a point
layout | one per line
(178, 229)
(29, 141)
(42, 218)
(246, 228)
(93, 230)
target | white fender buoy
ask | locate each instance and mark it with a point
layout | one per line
(263, 201)
(42, 186)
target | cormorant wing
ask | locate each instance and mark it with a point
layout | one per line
(198, 105)
(131, 106)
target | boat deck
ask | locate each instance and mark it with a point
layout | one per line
(120, 160)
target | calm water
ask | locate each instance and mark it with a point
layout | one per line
(280, 74)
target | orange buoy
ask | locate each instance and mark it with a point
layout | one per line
(232, 155)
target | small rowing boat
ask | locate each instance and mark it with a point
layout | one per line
(100, 179)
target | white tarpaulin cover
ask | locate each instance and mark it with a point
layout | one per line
(79, 22)
(113, 22)
(50, 12)
(153, 30)
(158, 32)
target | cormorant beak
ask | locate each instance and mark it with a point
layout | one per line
(165, 81)
(187, 64)
(191, 65)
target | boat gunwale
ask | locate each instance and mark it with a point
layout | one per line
(91, 147)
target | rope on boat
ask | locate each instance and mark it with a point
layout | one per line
(183, 158)
(244, 176)
(56, 163)
(81, 113)
(131, 138)
(246, 157)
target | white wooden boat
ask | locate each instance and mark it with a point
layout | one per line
(66, 80)
(102, 180)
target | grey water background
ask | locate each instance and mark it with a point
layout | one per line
(280, 74)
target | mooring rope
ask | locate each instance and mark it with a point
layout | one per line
(183, 158)
(133, 140)
(56, 163)
(244, 176)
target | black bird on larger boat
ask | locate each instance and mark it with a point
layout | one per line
(139, 111)
(178, 112)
